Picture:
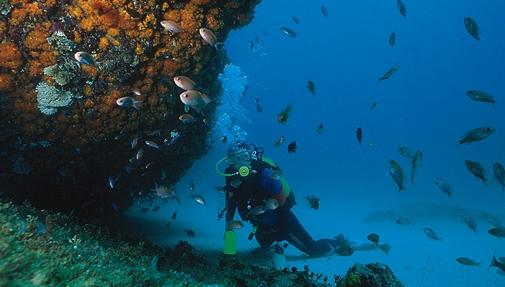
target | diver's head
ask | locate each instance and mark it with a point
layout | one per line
(241, 153)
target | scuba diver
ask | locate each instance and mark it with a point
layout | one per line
(256, 188)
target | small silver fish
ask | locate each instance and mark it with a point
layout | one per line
(235, 224)
(152, 144)
(112, 182)
(184, 83)
(289, 32)
(170, 26)
(134, 142)
(198, 199)
(209, 37)
(127, 102)
(443, 185)
(187, 119)
(271, 204)
(84, 58)
(139, 154)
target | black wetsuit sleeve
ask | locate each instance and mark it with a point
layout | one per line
(230, 202)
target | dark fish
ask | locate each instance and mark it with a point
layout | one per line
(498, 232)
(468, 220)
(491, 219)
(168, 224)
(174, 216)
(476, 135)
(324, 11)
(403, 221)
(373, 105)
(359, 135)
(156, 208)
(224, 139)
(477, 170)
(289, 32)
(190, 233)
(292, 147)
(401, 8)
(390, 72)
(481, 96)
(499, 173)
(313, 201)
(374, 238)
(498, 263)
(295, 19)
(320, 129)
(416, 162)
(392, 39)
(472, 28)
(311, 86)
(467, 261)
(406, 152)
(221, 213)
(283, 116)
(444, 186)
(396, 172)
(259, 109)
(431, 233)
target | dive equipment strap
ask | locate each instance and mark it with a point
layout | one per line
(253, 232)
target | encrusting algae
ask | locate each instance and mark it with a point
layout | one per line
(132, 50)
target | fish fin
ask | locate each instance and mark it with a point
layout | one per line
(493, 260)
(138, 104)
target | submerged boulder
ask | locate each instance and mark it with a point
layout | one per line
(369, 275)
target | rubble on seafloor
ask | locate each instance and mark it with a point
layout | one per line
(47, 96)
(43, 248)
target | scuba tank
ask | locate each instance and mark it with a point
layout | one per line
(230, 243)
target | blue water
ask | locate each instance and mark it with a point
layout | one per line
(422, 106)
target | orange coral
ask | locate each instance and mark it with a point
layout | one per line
(6, 82)
(103, 44)
(3, 27)
(10, 57)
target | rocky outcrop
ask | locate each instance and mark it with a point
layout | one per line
(63, 135)
(369, 275)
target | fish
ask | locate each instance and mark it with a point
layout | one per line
(396, 172)
(198, 199)
(223, 139)
(359, 135)
(468, 220)
(235, 183)
(416, 162)
(311, 86)
(235, 225)
(324, 11)
(370, 144)
(499, 173)
(112, 182)
(134, 142)
(279, 141)
(498, 263)
(136, 92)
(313, 202)
(168, 224)
(403, 221)
(271, 204)
(292, 147)
(295, 19)
(320, 129)
(128, 102)
(209, 37)
(187, 119)
(392, 39)
(481, 96)
(443, 186)
(476, 135)
(221, 189)
(283, 116)
(467, 261)
(373, 106)
(139, 154)
(406, 152)
(174, 216)
(171, 26)
(472, 28)
(192, 186)
(491, 219)
(498, 232)
(152, 144)
(477, 170)
(259, 109)
(431, 234)
(190, 233)
(156, 208)
(288, 31)
(85, 58)
(389, 73)
(221, 213)
(184, 83)
(374, 238)
(194, 99)
(401, 8)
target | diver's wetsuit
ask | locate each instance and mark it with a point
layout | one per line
(273, 225)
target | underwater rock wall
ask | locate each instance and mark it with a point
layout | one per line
(63, 135)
